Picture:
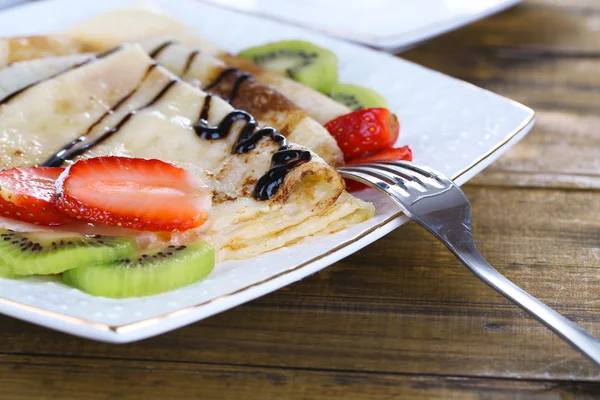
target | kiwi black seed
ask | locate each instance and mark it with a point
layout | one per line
(302, 61)
(147, 273)
(43, 253)
(356, 97)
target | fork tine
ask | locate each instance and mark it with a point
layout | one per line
(410, 177)
(392, 180)
(365, 177)
(379, 164)
(416, 171)
(415, 168)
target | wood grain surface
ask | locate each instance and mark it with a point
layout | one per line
(402, 318)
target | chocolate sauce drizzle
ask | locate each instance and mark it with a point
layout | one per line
(282, 161)
(236, 86)
(156, 52)
(119, 103)
(189, 62)
(80, 64)
(219, 78)
(82, 144)
(240, 78)
(205, 108)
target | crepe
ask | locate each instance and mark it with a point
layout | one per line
(26, 48)
(295, 110)
(107, 30)
(243, 92)
(143, 110)
(269, 107)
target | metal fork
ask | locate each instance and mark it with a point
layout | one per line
(440, 206)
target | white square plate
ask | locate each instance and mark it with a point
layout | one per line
(452, 126)
(385, 24)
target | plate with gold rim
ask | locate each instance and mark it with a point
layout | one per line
(454, 127)
(391, 25)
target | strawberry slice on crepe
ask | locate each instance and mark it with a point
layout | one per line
(141, 194)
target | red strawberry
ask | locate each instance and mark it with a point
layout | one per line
(400, 153)
(27, 194)
(395, 154)
(364, 131)
(135, 193)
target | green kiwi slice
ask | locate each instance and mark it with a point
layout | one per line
(302, 61)
(356, 97)
(146, 274)
(6, 272)
(43, 253)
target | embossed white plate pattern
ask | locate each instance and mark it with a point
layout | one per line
(452, 126)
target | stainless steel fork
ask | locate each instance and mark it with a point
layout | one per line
(440, 206)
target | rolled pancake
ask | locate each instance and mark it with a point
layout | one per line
(20, 74)
(268, 106)
(154, 112)
(320, 107)
(107, 30)
(30, 47)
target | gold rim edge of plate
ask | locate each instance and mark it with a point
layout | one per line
(120, 329)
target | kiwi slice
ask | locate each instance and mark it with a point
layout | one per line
(43, 253)
(356, 97)
(302, 61)
(146, 274)
(6, 272)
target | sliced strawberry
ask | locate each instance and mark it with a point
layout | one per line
(397, 154)
(27, 194)
(148, 195)
(364, 131)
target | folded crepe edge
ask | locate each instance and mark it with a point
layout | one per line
(346, 211)
(322, 214)
(22, 48)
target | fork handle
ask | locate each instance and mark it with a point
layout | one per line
(575, 335)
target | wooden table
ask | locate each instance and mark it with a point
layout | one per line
(403, 318)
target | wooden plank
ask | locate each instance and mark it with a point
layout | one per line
(403, 318)
(585, 5)
(561, 152)
(568, 85)
(555, 30)
(46, 378)
(540, 56)
(404, 304)
(555, 71)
